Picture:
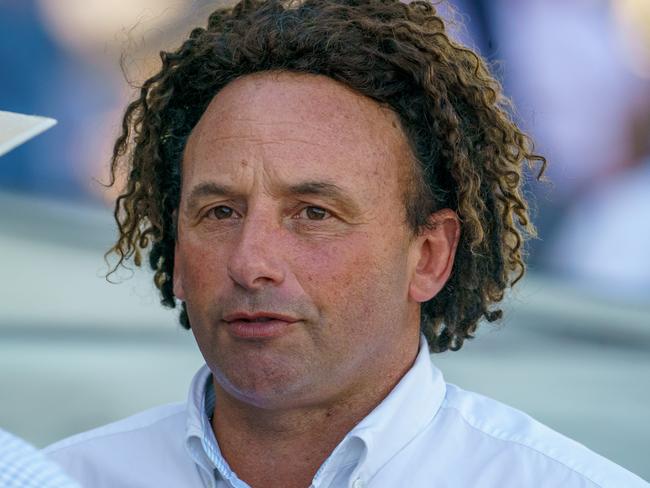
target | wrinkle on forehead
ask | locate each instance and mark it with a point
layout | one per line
(335, 101)
(336, 126)
(224, 138)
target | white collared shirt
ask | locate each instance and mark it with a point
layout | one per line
(426, 433)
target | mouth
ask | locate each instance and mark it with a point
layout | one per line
(257, 326)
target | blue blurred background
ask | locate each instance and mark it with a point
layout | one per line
(574, 348)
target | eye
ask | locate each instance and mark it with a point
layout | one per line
(314, 213)
(222, 212)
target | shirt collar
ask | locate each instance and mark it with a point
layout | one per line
(199, 439)
(400, 417)
(370, 445)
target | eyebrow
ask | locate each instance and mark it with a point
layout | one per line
(208, 189)
(325, 189)
(330, 191)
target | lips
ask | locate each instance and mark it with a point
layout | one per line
(259, 325)
(258, 316)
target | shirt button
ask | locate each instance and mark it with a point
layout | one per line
(358, 483)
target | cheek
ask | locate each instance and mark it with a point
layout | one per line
(200, 268)
(352, 280)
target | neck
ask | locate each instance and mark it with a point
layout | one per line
(280, 448)
(257, 442)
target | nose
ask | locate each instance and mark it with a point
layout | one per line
(256, 259)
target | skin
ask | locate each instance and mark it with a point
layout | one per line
(292, 202)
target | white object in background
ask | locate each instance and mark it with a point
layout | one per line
(18, 128)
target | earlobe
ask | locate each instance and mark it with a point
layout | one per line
(179, 292)
(435, 248)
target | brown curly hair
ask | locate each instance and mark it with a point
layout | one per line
(470, 154)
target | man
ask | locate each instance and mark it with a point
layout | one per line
(328, 189)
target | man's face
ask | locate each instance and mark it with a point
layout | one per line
(293, 254)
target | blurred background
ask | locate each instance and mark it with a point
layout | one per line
(574, 349)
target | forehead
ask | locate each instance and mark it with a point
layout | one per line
(298, 125)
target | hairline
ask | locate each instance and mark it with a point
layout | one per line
(413, 184)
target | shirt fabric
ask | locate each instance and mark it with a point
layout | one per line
(23, 466)
(425, 433)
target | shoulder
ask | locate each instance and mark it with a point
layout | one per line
(155, 421)
(106, 456)
(22, 466)
(538, 452)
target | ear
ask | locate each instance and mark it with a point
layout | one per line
(433, 251)
(179, 291)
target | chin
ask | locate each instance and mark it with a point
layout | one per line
(263, 385)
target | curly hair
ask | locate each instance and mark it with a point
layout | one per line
(469, 154)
